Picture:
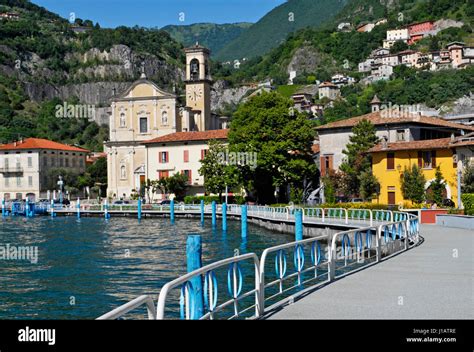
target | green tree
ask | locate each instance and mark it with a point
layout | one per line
(369, 185)
(357, 159)
(467, 185)
(217, 174)
(413, 184)
(282, 139)
(176, 184)
(437, 187)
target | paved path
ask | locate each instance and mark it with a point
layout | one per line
(427, 282)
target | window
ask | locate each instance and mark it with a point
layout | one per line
(400, 135)
(81, 162)
(143, 125)
(74, 162)
(164, 158)
(390, 161)
(61, 162)
(30, 161)
(30, 181)
(67, 162)
(18, 181)
(6, 163)
(203, 153)
(122, 120)
(188, 174)
(427, 159)
(164, 118)
(194, 69)
(7, 181)
(53, 162)
(186, 156)
(45, 161)
(163, 174)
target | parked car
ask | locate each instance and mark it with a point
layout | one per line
(448, 203)
(121, 202)
(165, 202)
(356, 200)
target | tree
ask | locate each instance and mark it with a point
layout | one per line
(176, 184)
(437, 187)
(217, 174)
(369, 185)
(151, 187)
(467, 185)
(282, 139)
(357, 159)
(398, 46)
(413, 184)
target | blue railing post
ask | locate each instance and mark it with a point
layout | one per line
(27, 208)
(298, 225)
(202, 211)
(224, 216)
(172, 211)
(214, 213)
(52, 208)
(243, 219)
(139, 211)
(194, 262)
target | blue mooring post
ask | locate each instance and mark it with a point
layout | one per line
(3, 207)
(243, 219)
(214, 213)
(298, 225)
(27, 208)
(172, 211)
(106, 209)
(202, 211)
(139, 210)
(78, 205)
(224, 216)
(52, 208)
(194, 262)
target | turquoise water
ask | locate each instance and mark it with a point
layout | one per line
(90, 266)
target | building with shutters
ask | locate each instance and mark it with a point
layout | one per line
(389, 160)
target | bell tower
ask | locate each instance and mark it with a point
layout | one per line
(198, 88)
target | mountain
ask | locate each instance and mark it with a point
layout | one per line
(274, 27)
(210, 35)
(45, 61)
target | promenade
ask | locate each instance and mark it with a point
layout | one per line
(434, 280)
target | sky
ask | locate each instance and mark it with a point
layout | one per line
(159, 13)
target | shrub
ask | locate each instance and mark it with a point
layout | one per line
(468, 202)
(197, 199)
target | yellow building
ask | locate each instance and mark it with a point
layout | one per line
(389, 160)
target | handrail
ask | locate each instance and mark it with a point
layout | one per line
(389, 233)
(212, 294)
(132, 305)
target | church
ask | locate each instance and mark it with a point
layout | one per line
(151, 136)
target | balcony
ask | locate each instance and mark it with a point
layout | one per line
(11, 170)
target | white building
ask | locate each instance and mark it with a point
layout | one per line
(395, 35)
(25, 166)
(181, 153)
(328, 90)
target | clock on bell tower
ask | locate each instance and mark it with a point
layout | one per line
(198, 86)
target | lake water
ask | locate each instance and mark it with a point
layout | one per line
(90, 266)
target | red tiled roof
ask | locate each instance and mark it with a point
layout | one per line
(377, 118)
(441, 143)
(327, 84)
(190, 136)
(38, 143)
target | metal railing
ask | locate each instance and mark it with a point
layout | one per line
(138, 302)
(316, 261)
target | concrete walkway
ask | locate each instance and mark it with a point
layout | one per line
(432, 281)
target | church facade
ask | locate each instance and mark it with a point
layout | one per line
(145, 112)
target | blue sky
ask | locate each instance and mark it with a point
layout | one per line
(158, 13)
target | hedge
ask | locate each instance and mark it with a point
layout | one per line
(468, 202)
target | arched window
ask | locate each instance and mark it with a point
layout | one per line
(194, 69)
(123, 172)
(123, 120)
(164, 118)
